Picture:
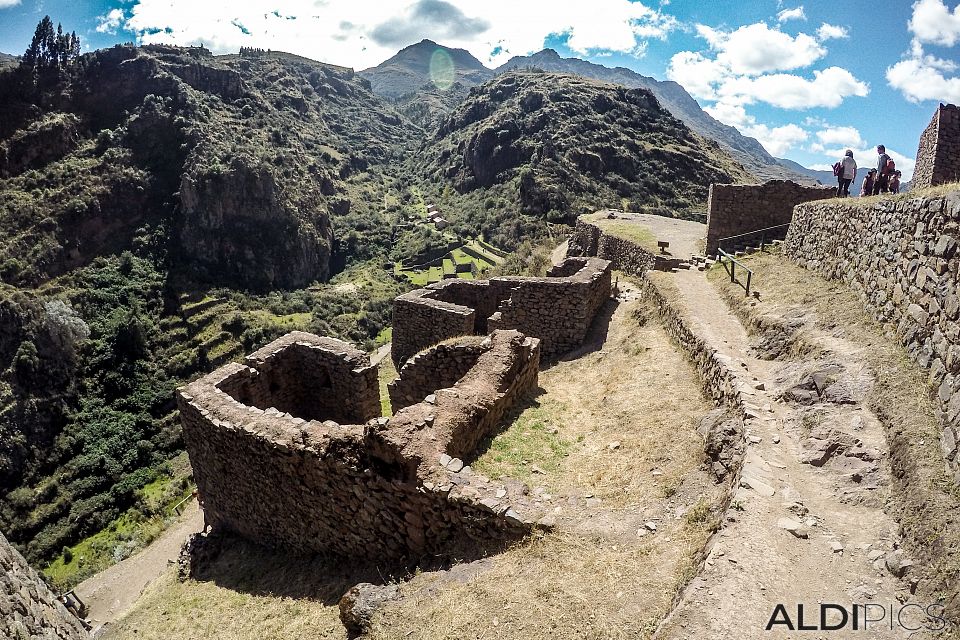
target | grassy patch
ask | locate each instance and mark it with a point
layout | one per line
(386, 372)
(627, 230)
(532, 440)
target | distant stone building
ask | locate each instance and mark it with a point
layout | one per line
(938, 155)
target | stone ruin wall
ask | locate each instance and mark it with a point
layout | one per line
(435, 368)
(900, 255)
(312, 376)
(938, 155)
(392, 489)
(589, 240)
(28, 608)
(735, 209)
(557, 309)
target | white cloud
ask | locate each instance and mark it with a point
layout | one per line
(932, 22)
(831, 32)
(828, 88)
(697, 73)
(756, 48)
(791, 14)
(363, 33)
(920, 76)
(778, 141)
(109, 22)
(741, 73)
(837, 137)
(6, 4)
(923, 79)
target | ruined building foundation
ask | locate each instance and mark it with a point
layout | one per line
(287, 450)
(557, 309)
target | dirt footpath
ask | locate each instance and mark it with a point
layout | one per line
(112, 592)
(807, 525)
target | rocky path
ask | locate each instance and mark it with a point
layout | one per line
(806, 525)
(112, 592)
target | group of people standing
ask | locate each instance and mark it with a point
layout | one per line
(884, 179)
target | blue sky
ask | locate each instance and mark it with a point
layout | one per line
(807, 79)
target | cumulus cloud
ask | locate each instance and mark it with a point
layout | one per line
(832, 137)
(828, 88)
(698, 74)
(110, 21)
(831, 32)
(791, 14)
(6, 4)
(748, 65)
(932, 22)
(756, 48)
(362, 33)
(778, 141)
(438, 18)
(922, 76)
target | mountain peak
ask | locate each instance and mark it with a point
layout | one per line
(546, 53)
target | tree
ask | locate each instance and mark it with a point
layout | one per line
(51, 51)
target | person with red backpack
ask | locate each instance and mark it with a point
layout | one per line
(885, 168)
(846, 172)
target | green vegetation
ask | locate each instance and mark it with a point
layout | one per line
(530, 441)
(632, 231)
(480, 256)
(176, 210)
(133, 530)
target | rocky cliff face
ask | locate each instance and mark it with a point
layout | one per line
(238, 224)
(568, 140)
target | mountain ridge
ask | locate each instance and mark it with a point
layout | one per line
(396, 79)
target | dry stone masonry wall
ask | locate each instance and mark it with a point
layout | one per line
(557, 309)
(938, 155)
(624, 255)
(28, 609)
(900, 255)
(735, 209)
(435, 368)
(391, 489)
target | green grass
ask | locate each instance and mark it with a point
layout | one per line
(486, 260)
(528, 442)
(632, 231)
(387, 372)
(384, 336)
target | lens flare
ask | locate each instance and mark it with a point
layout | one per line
(442, 71)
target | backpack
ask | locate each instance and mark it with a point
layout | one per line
(891, 167)
(838, 169)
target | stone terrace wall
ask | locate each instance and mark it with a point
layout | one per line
(435, 368)
(938, 155)
(28, 609)
(734, 209)
(389, 489)
(626, 256)
(312, 377)
(900, 255)
(557, 309)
